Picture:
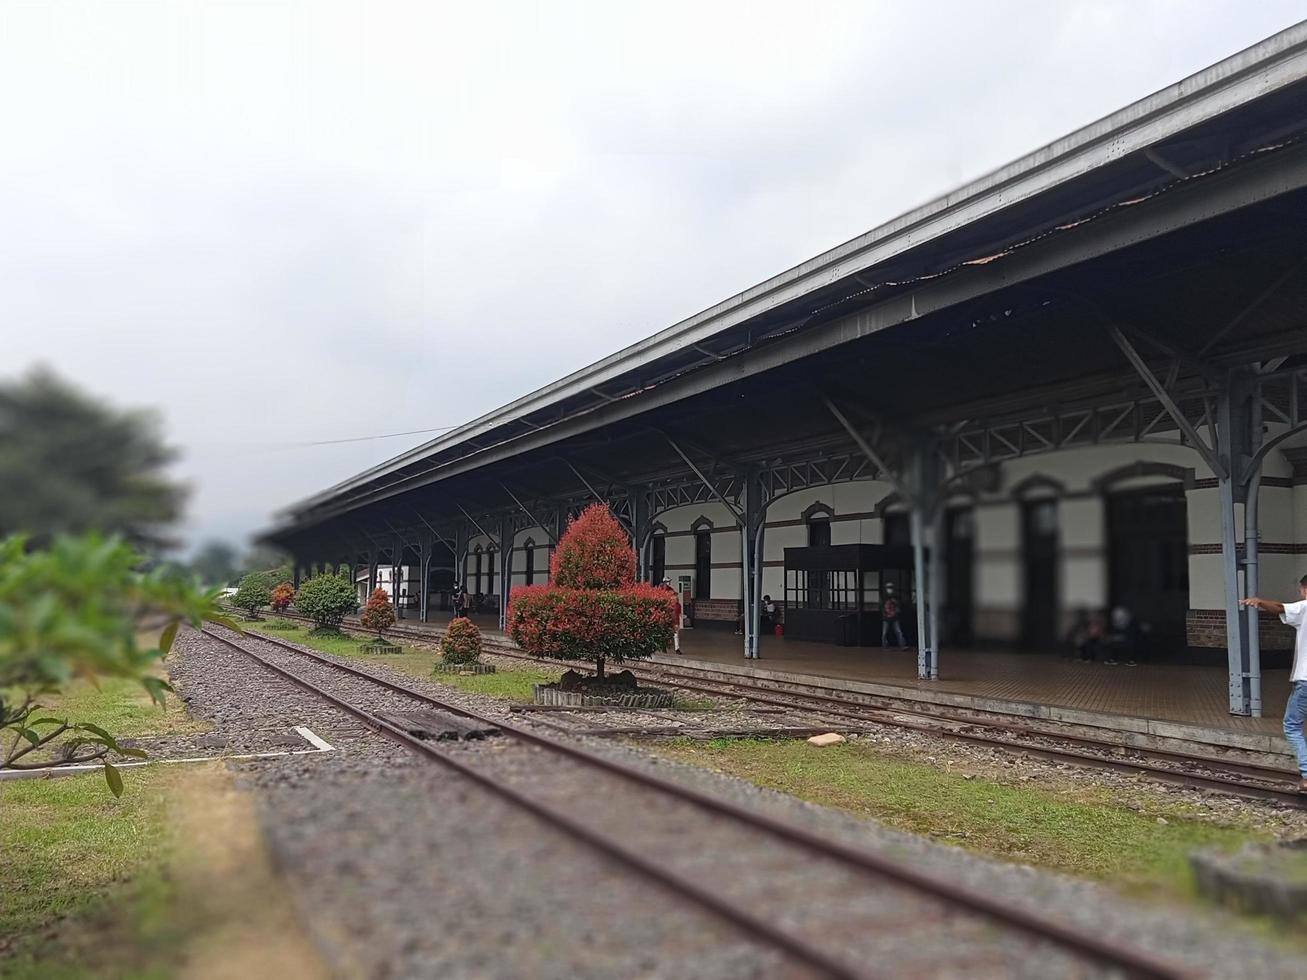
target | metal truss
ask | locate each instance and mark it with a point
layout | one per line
(1138, 418)
(784, 477)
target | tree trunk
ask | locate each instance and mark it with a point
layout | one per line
(599, 665)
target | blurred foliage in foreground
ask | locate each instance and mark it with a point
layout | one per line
(71, 464)
(73, 610)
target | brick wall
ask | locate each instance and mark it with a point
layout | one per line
(1206, 628)
(716, 610)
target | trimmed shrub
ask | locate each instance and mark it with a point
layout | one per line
(593, 609)
(282, 596)
(327, 600)
(461, 643)
(378, 613)
(252, 595)
(594, 553)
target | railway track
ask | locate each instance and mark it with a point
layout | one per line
(1246, 780)
(857, 893)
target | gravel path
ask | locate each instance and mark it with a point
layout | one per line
(411, 871)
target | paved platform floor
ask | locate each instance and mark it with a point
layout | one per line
(1171, 692)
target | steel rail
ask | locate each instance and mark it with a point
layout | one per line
(1136, 963)
(865, 713)
(753, 926)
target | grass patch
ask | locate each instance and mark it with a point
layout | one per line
(170, 875)
(1079, 832)
(510, 685)
(121, 706)
(336, 643)
(65, 842)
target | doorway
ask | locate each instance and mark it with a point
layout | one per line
(959, 564)
(1148, 561)
(703, 564)
(1039, 552)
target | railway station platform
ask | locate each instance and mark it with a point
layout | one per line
(1184, 703)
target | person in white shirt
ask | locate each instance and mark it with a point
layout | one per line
(1295, 711)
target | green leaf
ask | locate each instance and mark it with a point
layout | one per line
(114, 778)
(86, 726)
(156, 686)
(166, 638)
(133, 752)
(31, 736)
(47, 721)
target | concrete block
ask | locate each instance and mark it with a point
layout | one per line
(830, 738)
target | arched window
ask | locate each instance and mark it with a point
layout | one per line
(529, 546)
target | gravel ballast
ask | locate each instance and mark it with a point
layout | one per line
(405, 869)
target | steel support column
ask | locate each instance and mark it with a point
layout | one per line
(1234, 439)
(754, 614)
(754, 511)
(425, 543)
(924, 518)
(506, 541)
(461, 536)
(640, 530)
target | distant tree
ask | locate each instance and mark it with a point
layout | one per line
(252, 595)
(215, 563)
(70, 463)
(327, 600)
(271, 563)
(282, 596)
(592, 609)
(74, 610)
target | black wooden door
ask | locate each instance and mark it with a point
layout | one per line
(959, 563)
(1148, 561)
(703, 565)
(1039, 549)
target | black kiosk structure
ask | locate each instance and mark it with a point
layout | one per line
(833, 593)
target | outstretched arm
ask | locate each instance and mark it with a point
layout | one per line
(1265, 605)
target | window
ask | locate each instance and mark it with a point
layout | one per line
(658, 564)
(530, 548)
(703, 564)
(819, 533)
(476, 581)
(829, 591)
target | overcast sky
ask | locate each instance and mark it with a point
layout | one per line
(285, 222)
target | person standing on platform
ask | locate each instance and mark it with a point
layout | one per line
(1295, 711)
(460, 602)
(676, 623)
(889, 621)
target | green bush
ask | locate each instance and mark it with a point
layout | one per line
(252, 595)
(74, 609)
(461, 643)
(327, 600)
(378, 613)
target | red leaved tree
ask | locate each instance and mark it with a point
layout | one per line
(592, 609)
(378, 613)
(282, 596)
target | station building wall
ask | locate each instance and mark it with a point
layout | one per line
(1080, 482)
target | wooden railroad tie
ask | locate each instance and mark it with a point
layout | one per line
(437, 726)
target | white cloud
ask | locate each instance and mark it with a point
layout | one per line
(295, 221)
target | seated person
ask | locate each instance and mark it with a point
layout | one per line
(1086, 637)
(1125, 638)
